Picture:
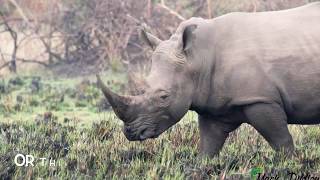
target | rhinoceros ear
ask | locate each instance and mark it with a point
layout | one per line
(187, 35)
(149, 39)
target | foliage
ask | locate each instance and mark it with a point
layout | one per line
(94, 147)
(103, 34)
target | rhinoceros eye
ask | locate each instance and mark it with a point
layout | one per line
(164, 96)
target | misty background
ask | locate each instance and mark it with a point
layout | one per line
(81, 37)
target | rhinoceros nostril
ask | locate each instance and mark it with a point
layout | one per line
(143, 134)
(127, 130)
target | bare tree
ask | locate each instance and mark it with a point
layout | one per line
(12, 64)
(103, 34)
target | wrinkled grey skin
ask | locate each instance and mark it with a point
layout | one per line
(257, 68)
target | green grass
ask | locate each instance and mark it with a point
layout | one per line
(87, 143)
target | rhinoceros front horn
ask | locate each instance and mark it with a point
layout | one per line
(119, 103)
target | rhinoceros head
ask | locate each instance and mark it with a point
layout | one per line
(168, 88)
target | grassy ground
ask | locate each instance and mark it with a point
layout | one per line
(68, 121)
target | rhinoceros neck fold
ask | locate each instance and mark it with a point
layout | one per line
(203, 80)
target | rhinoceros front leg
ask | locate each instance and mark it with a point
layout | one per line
(270, 121)
(213, 133)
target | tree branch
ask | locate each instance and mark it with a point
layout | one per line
(162, 5)
(22, 14)
(5, 65)
(14, 35)
(2, 56)
(32, 61)
(209, 6)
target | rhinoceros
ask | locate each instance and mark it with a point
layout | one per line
(260, 68)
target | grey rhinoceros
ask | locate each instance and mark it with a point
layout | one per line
(259, 68)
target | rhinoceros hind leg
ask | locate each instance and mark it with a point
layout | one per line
(270, 121)
(213, 134)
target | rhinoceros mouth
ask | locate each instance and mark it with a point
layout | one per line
(141, 133)
(141, 137)
(147, 134)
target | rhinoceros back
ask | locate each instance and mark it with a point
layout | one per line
(273, 56)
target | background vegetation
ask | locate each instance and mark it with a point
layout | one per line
(78, 37)
(69, 121)
(50, 106)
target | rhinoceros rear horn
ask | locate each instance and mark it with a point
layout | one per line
(119, 103)
(149, 39)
